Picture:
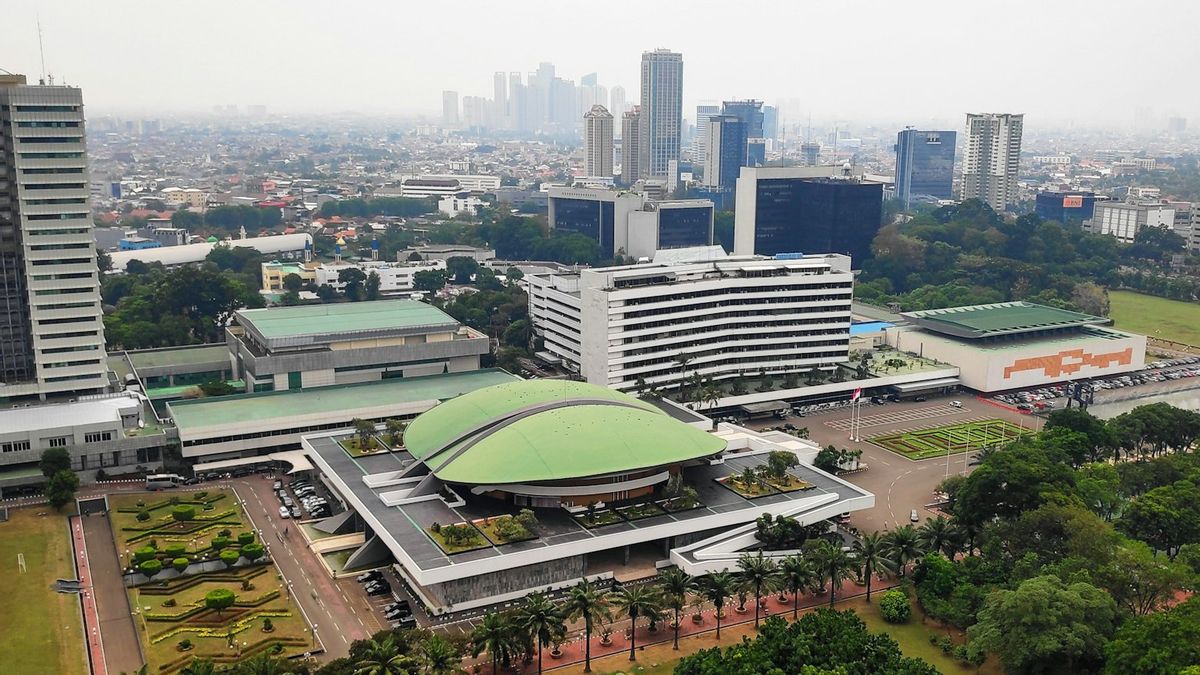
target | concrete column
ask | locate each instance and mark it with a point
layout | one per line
(625, 555)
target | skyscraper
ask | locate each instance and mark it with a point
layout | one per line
(770, 122)
(450, 108)
(750, 112)
(617, 98)
(661, 122)
(924, 164)
(726, 151)
(992, 158)
(598, 142)
(704, 112)
(631, 145)
(51, 332)
(811, 152)
(500, 109)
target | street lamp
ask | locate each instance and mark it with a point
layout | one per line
(314, 635)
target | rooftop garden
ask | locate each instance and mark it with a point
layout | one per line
(769, 479)
(457, 538)
(366, 440)
(508, 529)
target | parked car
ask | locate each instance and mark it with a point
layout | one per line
(277, 485)
(408, 622)
(369, 576)
(396, 614)
(921, 399)
(296, 512)
(379, 589)
(956, 404)
(912, 515)
(284, 513)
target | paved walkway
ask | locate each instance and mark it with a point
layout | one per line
(122, 652)
(91, 617)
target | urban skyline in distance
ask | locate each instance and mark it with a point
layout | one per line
(897, 65)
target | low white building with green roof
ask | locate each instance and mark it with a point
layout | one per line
(305, 346)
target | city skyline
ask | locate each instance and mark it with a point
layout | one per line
(840, 82)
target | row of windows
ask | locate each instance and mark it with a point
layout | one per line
(780, 289)
(757, 323)
(73, 364)
(279, 432)
(56, 322)
(798, 348)
(58, 247)
(14, 446)
(58, 216)
(56, 277)
(97, 437)
(65, 350)
(704, 343)
(63, 261)
(72, 378)
(750, 363)
(47, 125)
(50, 155)
(65, 230)
(58, 200)
(63, 336)
(66, 291)
(57, 442)
(48, 172)
(50, 139)
(46, 108)
(54, 186)
(758, 314)
(824, 300)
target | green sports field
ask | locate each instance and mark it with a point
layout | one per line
(1161, 318)
(954, 438)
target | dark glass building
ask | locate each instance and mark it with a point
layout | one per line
(726, 152)
(593, 219)
(924, 165)
(1065, 207)
(816, 215)
(681, 225)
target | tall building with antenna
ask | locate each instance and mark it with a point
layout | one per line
(51, 328)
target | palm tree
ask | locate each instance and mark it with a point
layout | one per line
(588, 602)
(940, 534)
(833, 564)
(542, 620)
(904, 546)
(676, 584)
(200, 667)
(383, 658)
(711, 395)
(761, 574)
(798, 574)
(439, 657)
(637, 601)
(683, 359)
(717, 587)
(495, 635)
(871, 552)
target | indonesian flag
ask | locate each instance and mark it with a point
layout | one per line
(857, 394)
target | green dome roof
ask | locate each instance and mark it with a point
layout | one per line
(543, 430)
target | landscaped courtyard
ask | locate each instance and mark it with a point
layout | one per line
(42, 631)
(951, 438)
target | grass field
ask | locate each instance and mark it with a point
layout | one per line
(42, 630)
(1161, 318)
(933, 442)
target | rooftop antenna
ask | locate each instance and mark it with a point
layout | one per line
(41, 51)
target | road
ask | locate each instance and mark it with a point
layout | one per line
(122, 653)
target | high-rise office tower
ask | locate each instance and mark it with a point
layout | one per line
(589, 80)
(924, 164)
(500, 99)
(704, 113)
(992, 158)
(450, 108)
(598, 142)
(770, 122)
(726, 151)
(661, 123)
(750, 112)
(617, 99)
(631, 150)
(811, 152)
(51, 328)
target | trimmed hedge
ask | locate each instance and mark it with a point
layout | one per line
(253, 551)
(894, 607)
(245, 538)
(150, 567)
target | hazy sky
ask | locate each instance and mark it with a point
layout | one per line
(1088, 62)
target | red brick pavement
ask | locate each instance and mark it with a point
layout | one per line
(91, 617)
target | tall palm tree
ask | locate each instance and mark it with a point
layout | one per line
(710, 395)
(542, 620)
(798, 574)
(940, 534)
(588, 602)
(200, 667)
(717, 587)
(833, 564)
(439, 657)
(904, 546)
(384, 658)
(683, 359)
(495, 635)
(760, 574)
(871, 554)
(676, 584)
(637, 601)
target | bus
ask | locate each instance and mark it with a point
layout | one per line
(163, 481)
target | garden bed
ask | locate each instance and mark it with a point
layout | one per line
(752, 491)
(640, 511)
(354, 448)
(789, 483)
(678, 504)
(599, 518)
(953, 438)
(471, 540)
(491, 528)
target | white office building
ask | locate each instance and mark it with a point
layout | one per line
(598, 142)
(51, 329)
(727, 316)
(1124, 220)
(991, 158)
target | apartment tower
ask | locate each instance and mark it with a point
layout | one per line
(598, 141)
(992, 158)
(661, 122)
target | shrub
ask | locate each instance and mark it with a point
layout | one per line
(140, 503)
(185, 644)
(169, 602)
(224, 533)
(173, 501)
(199, 495)
(144, 553)
(945, 644)
(220, 542)
(277, 648)
(960, 653)
(435, 528)
(219, 599)
(183, 513)
(180, 564)
(175, 550)
(143, 516)
(267, 626)
(245, 538)
(230, 557)
(253, 551)
(150, 567)
(527, 520)
(894, 607)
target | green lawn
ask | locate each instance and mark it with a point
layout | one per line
(42, 631)
(1161, 318)
(197, 535)
(951, 438)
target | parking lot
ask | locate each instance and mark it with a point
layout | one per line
(1054, 396)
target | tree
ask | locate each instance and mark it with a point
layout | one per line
(903, 546)
(429, 281)
(1066, 633)
(586, 601)
(872, 554)
(253, 551)
(229, 557)
(61, 487)
(293, 282)
(219, 599)
(395, 431)
(354, 281)
(1090, 298)
(676, 585)
(717, 587)
(497, 636)
(371, 287)
(761, 574)
(363, 430)
(439, 657)
(461, 268)
(833, 564)
(199, 666)
(55, 460)
(939, 534)
(798, 575)
(542, 620)
(1160, 643)
(895, 607)
(635, 602)
(1141, 582)
(1166, 517)
(180, 564)
(1009, 482)
(327, 293)
(779, 461)
(384, 658)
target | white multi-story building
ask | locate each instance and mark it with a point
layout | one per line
(695, 312)
(991, 158)
(1123, 220)
(393, 277)
(472, 182)
(51, 332)
(598, 142)
(463, 202)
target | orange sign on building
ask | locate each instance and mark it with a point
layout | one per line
(1069, 362)
(1073, 202)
